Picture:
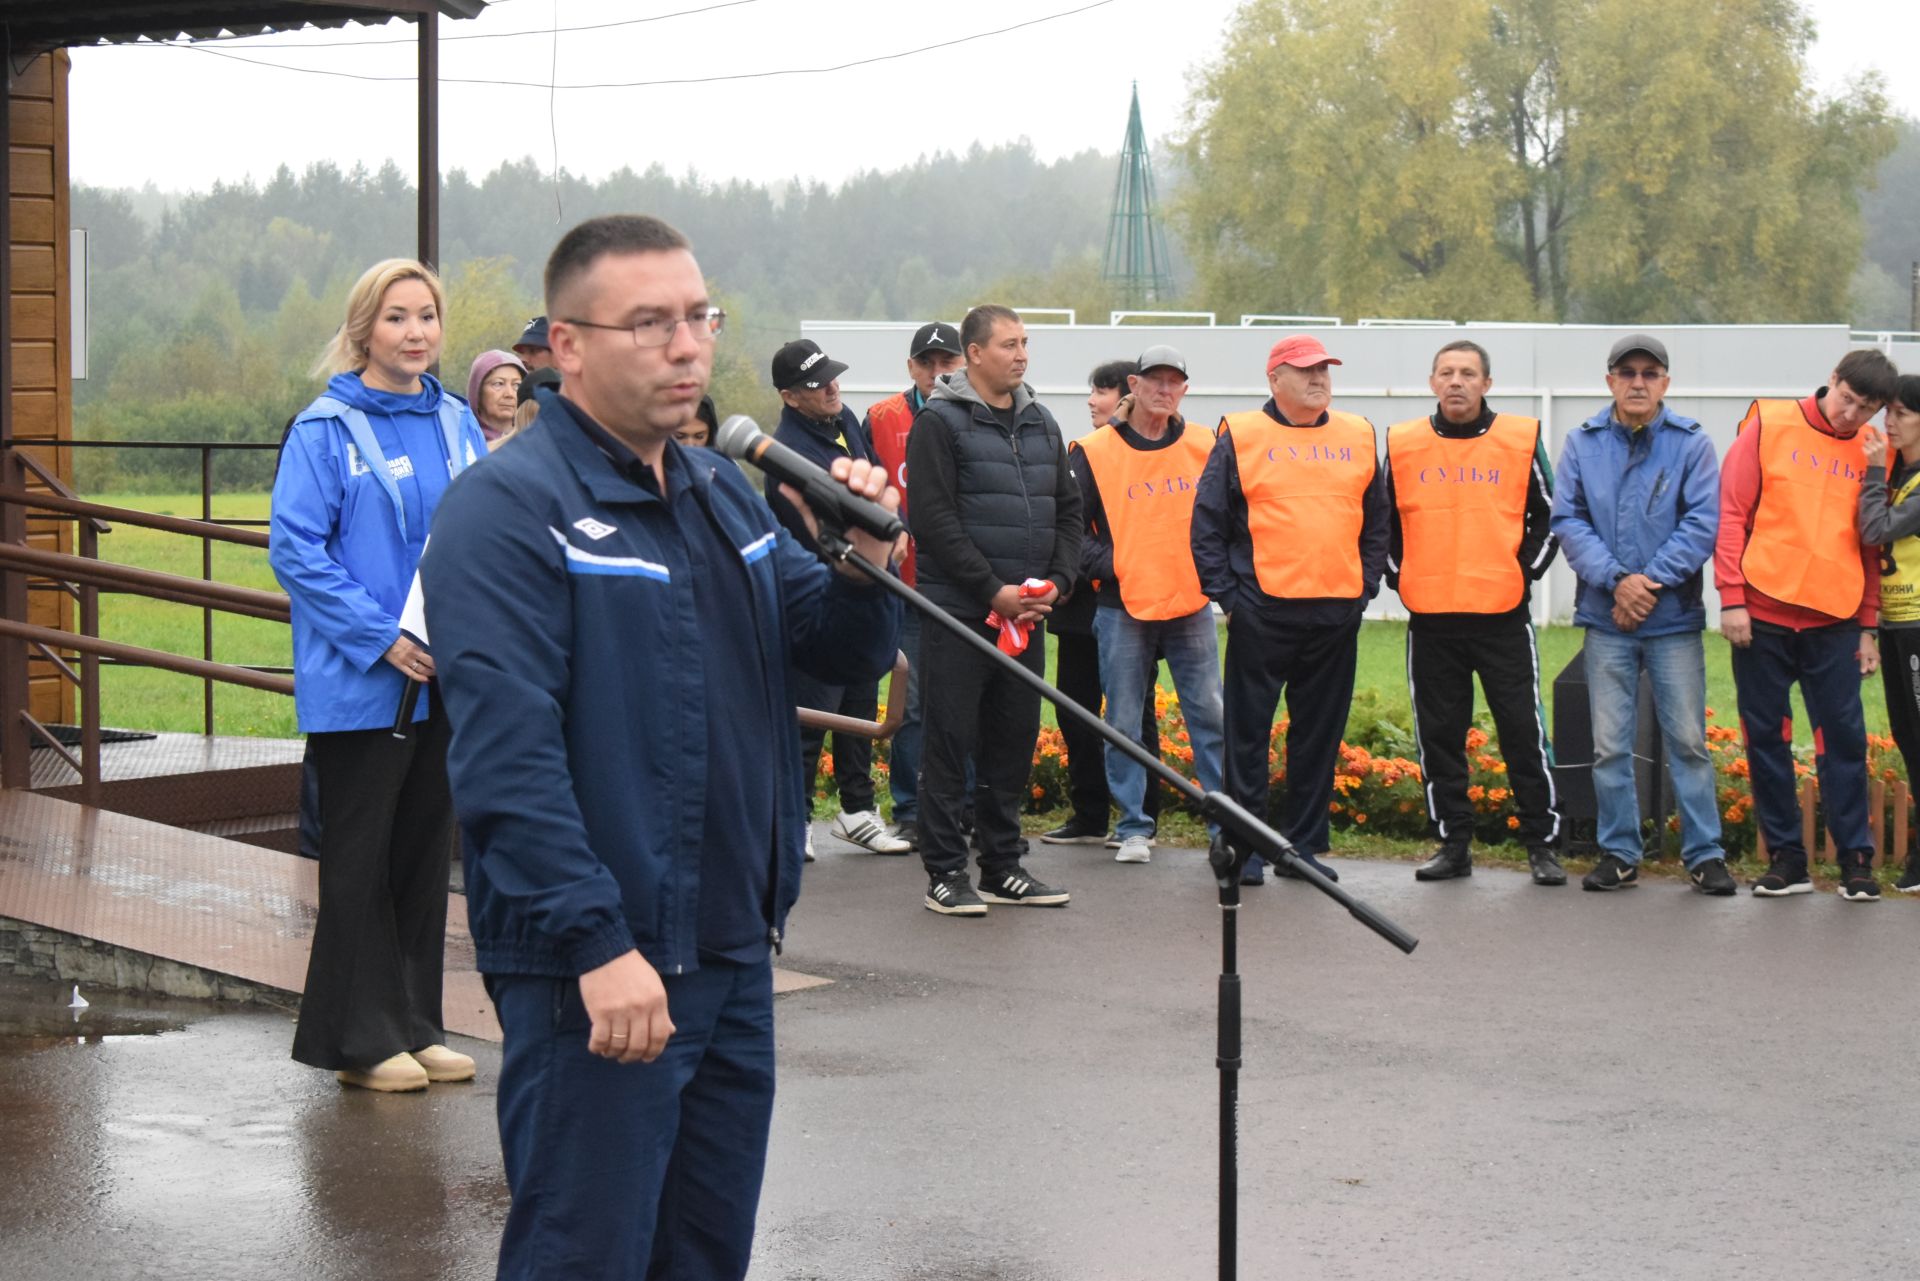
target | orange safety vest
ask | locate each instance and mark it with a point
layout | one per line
(1463, 513)
(1805, 545)
(1306, 490)
(889, 422)
(1148, 497)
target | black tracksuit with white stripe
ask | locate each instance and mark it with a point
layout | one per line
(1444, 651)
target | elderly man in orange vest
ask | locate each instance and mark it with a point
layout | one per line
(1471, 495)
(1137, 478)
(1798, 589)
(1290, 538)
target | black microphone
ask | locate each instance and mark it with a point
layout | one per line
(740, 437)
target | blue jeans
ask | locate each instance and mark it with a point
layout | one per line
(903, 759)
(1677, 665)
(642, 1170)
(1192, 649)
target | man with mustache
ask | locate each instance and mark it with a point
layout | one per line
(1471, 495)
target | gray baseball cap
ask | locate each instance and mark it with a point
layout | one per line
(1160, 355)
(1638, 342)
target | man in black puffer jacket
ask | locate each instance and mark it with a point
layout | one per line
(994, 505)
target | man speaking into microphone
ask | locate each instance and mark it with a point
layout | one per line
(614, 622)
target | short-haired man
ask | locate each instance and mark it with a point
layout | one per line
(817, 426)
(935, 350)
(1471, 502)
(1799, 595)
(1290, 539)
(1635, 507)
(613, 619)
(995, 510)
(533, 345)
(1137, 478)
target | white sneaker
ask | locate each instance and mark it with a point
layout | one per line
(809, 842)
(1135, 849)
(865, 829)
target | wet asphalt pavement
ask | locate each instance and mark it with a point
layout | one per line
(1648, 1084)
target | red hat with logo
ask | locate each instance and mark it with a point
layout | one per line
(1303, 351)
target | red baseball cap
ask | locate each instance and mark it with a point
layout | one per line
(1303, 351)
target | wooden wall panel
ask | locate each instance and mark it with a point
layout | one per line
(40, 364)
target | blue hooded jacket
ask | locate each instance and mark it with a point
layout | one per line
(1645, 502)
(561, 602)
(360, 475)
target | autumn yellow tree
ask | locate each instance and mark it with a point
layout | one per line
(1596, 160)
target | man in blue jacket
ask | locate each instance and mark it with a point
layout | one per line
(614, 618)
(817, 426)
(1636, 511)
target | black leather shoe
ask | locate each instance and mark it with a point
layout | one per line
(1447, 862)
(1546, 868)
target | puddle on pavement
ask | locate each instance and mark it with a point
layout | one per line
(35, 1015)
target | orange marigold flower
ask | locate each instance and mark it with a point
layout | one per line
(1476, 792)
(1513, 822)
(1359, 818)
(1476, 738)
(1039, 793)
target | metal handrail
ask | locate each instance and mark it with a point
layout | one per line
(53, 482)
(81, 509)
(177, 588)
(224, 672)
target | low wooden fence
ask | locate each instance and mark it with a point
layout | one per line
(1889, 818)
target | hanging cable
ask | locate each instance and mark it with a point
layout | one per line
(646, 84)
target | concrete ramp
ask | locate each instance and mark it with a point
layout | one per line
(103, 899)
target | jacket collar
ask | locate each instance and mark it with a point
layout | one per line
(827, 433)
(601, 462)
(1665, 418)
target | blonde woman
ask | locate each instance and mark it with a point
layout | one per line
(360, 474)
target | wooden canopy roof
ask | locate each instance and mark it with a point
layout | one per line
(34, 26)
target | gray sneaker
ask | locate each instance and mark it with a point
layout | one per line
(1135, 849)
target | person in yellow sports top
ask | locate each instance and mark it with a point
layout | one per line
(1471, 499)
(1798, 595)
(1137, 477)
(1890, 515)
(1290, 538)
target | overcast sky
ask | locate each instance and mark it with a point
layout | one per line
(182, 118)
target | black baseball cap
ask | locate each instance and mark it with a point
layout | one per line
(938, 336)
(801, 363)
(534, 335)
(549, 378)
(1638, 342)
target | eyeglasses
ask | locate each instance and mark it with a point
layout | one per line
(1639, 375)
(657, 331)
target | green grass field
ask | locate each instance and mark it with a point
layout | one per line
(137, 699)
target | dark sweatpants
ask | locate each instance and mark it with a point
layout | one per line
(386, 840)
(1900, 678)
(1076, 672)
(1440, 670)
(1313, 666)
(635, 1171)
(1825, 663)
(971, 708)
(852, 754)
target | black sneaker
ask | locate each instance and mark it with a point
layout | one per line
(1545, 866)
(1077, 831)
(1909, 882)
(1785, 874)
(1612, 873)
(1859, 885)
(1712, 877)
(951, 894)
(1281, 869)
(1014, 884)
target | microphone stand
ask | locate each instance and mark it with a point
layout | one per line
(1242, 835)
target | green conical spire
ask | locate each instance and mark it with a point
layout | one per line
(1136, 257)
